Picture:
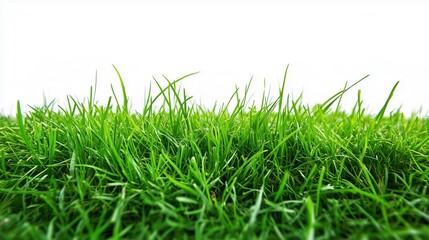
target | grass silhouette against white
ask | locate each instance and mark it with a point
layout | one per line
(280, 170)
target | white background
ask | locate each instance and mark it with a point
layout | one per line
(53, 48)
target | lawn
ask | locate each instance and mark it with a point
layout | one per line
(278, 169)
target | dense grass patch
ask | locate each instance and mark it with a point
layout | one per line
(176, 170)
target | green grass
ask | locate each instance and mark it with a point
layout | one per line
(277, 169)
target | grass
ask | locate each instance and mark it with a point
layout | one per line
(176, 170)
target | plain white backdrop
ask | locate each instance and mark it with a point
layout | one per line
(54, 48)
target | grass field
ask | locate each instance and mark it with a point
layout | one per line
(177, 170)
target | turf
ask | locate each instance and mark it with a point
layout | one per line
(277, 169)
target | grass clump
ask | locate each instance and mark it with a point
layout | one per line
(176, 170)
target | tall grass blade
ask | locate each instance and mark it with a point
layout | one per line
(380, 114)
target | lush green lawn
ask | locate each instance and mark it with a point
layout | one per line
(176, 170)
